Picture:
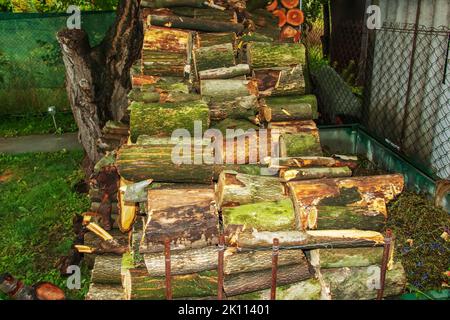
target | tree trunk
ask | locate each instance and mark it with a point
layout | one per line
(259, 280)
(194, 24)
(225, 73)
(140, 286)
(239, 108)
(300, 144)
(350, 257)
(162, 119)
(270, 55)
(213, 57)
(305, 240)
(237, 262)
(280, 81)
(234, 189)
(226, 89)
(287, 175)
(107, 270)
(182, 262)
(105, 292)
(98, 79)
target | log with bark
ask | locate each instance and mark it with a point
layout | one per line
(289, 108)
(158, 4)
(309, 162)
(107, 270)
(240, 283)
(269, 55)
(161, 119)
(194, 24)
(306, 143)
(237, 262)
(310, 289)
(358, 201)
(348, 257)
(161, 39)
(140, 286)
(105, 292)
(212, 39)
(232, 124)
(295, 126)
(239, 108)
(226, 89)
(213, 57)
(171, 64)
(361, 283)
(206, 14)
(236, 236)
(281, 81)
(182, 262)
(287, 175)
(236, 189)
(184, 214)
(225, 73)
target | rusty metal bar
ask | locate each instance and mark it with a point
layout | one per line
(220, 267)
(384, 262)
(273, 288)
(168, 269)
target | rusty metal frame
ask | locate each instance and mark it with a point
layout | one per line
(386, 253)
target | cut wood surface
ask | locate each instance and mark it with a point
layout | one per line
(314, 239)
(237, 262)
(183, 262)
(259, 280)
(238, 108)
(310, 289)
(213, 57)
(225, 73)
(314, 173)
(194, 24)
(361, 283)
(162, 119)
(186, 215)
(107, 270)
(226, 89)
(140, 286)
(348, 257)
(127, 210)
(235, 189)
(280, 81)
(105, 292)
(269, 55)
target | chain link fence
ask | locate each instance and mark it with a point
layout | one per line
(31, 68)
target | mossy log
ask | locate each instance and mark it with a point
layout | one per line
(341, 200)
(212, 39)
(238, 108)
(300, 144)
(194, 24)
(206, 14)
(155, 94)
(262, 216)
(360, 283)
(161, 39)
(236, 236)
(310, 289)
(310, 162)
(270, 55)
(240, 283)
(170, 64)
(226, 89)
(287, 175)
(159, 4)
(348, 257)
(105, 292)
(280, 81)
(183, 262)
(237, 262)
(184, 214)
(236, 189)
(213, 57)
(140, 286)
(107, 270)
(225, 73)
(289, 108)
(233, 124)
(162, 119)
(295, 126)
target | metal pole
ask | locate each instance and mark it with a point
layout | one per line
(220, 268)
(384, 263)
(273, 289)
(168, 270)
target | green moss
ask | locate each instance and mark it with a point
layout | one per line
(289, 100)
(233, 124)
(269, 54)
(264, 216)
(302, 144)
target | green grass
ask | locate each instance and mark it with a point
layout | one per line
(11, 126)
(37, 205)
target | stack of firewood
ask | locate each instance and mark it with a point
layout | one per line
(200, 67)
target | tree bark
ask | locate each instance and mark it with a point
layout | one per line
(225, 73)
(287, 175)
(259, 280)
(239, 108)
(98, 79)
(281, 81)
(107, 270)
(309, 162)
(105, 292)
(212, 39)
(194, 24)
(349, 257)
(300, 144)
(270, 55)
(233, 124)
(226, 89)
(158, 4)
(213, 57)
(289, 108)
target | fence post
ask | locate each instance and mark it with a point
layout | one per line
(220, 267)
(384, 262)
(168, 269)
(275, 249)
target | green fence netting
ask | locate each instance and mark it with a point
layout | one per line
(31, 68)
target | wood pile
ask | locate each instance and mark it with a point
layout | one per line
(203, 64)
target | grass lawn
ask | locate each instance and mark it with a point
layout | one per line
(13, 126)
(37, 204)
